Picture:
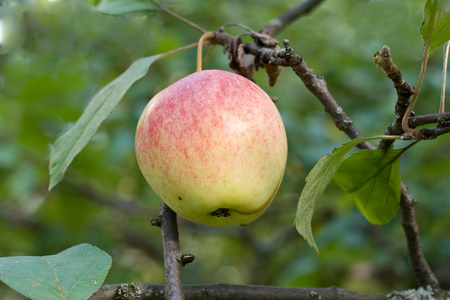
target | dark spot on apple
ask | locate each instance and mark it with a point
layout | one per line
(221, 212)
(179, 198)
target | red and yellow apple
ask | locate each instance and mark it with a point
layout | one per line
(213, 147)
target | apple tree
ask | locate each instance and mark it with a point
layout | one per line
(358, 88)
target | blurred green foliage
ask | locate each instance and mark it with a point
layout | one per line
(55, 55)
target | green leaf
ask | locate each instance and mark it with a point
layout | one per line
(436, 24)
(99, 108)
(118, 7)
(74, 274)
(372, 177)
(316, 182)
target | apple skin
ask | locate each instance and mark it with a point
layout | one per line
(213, 147)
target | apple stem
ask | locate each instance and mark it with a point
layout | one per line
(206, 36)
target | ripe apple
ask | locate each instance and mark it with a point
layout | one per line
(213, 147)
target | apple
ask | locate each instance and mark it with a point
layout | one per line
(213, 147)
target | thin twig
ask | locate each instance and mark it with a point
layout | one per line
(444, 76)
(178, 17)
(410, 132)
(431, 134)
(436, 118)
(290, 15)
(404, 93)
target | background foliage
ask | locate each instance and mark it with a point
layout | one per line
(55, 55)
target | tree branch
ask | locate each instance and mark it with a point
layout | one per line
(404, 93)
(290, 15)
(430, 134)
(439, 118)
(241, 292)
(317, 86)
(172, 254)
(422, 272)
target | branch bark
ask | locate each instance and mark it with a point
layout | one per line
(404, 92)
(438, 118)
(421, 269)
(276, 25)
(172, 254)
(422, 272)
(241, 292)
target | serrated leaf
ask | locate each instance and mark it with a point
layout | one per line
(372, 177)
(435, 28)
(68, 145)
(73, 274)
(316, 182)
(119, 7)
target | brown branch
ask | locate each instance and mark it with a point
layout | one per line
(424, 275)
(439, 118)
(404, 93)
(290, 15)
(422, 272)
(317, 86)
(430, 134)
(274, 26)
(233, 291)
(172, 254)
